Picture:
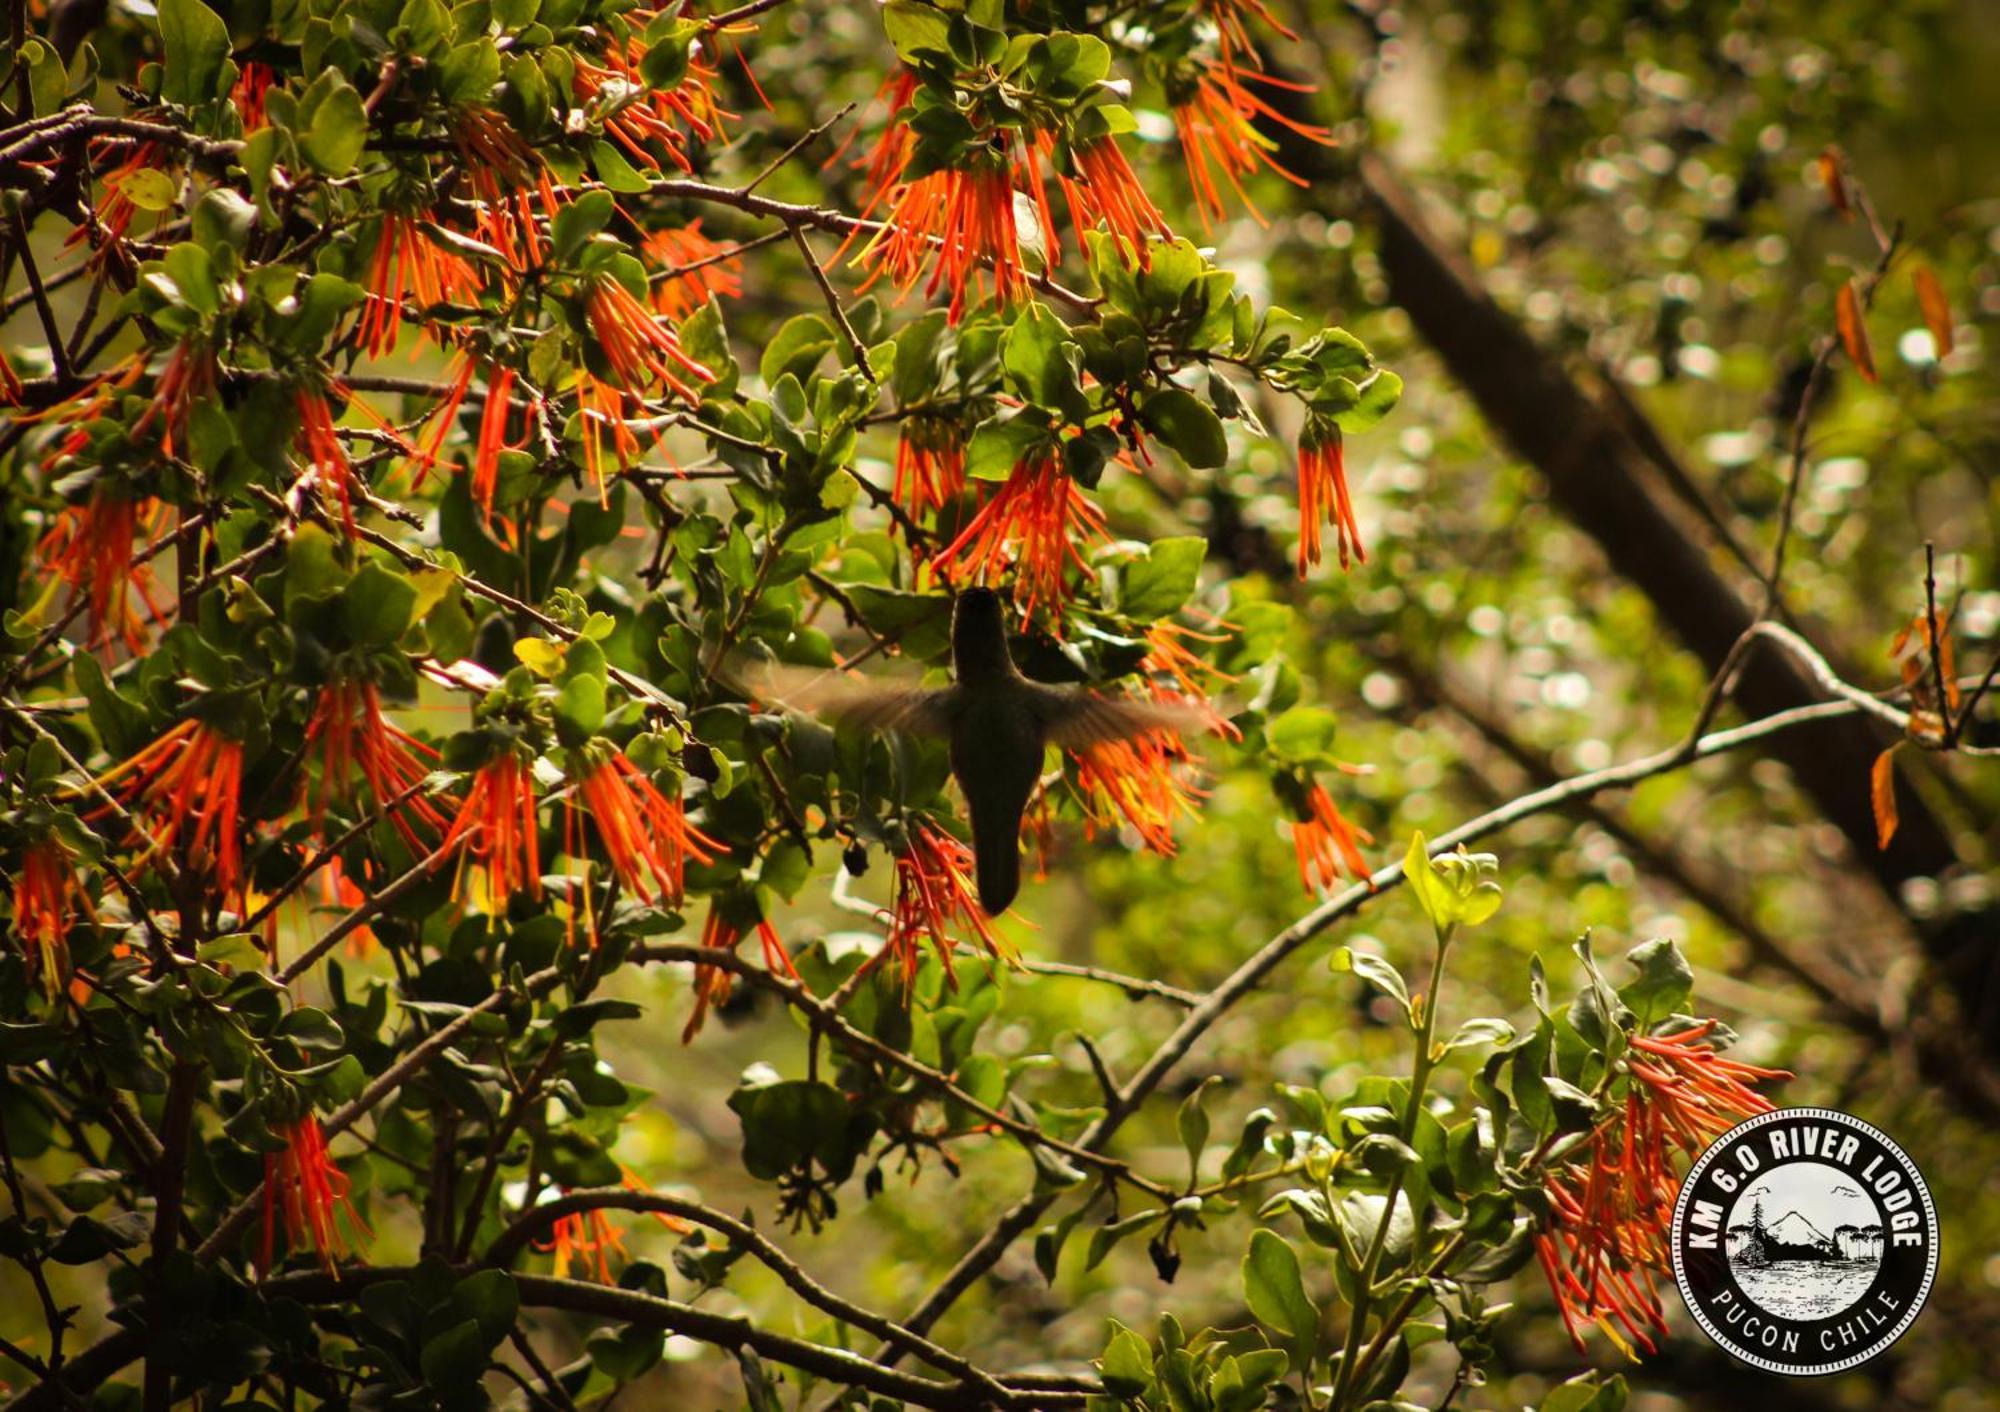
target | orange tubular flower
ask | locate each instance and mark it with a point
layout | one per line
(319, 443)
(1607, 1248)
(882, 166)
(1106, 189)
(1177, 676)
(186, 787)
(1327, 844)
(1323, 496)
(45, 901)
(1232, 19)
(497, 826)
(304, 1189)
(646, 834)
(694, 267)
(603, 407)
(495, 411)
(1040, 520)
(408, 261)
(712, 984)
(350, 730)
(586, 1239)
(639, 350)
(930, 465)
(662, 116)
(90, 547)
(507, 178)
(116, 210)
(253, 81)
(339, 893)
(1216, 118)
(1136, 782)
(958, 223)
(932, 892)
(629, 1179)
(188, 377)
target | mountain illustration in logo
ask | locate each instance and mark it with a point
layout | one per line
(1793, 1237)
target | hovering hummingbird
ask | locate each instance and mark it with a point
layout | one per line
(997, 723)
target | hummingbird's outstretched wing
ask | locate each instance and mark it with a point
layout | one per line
(851, 701)
(1073, 719)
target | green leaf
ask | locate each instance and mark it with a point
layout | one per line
(1303, 735)
(997, 445)
(916, 29)
(1480, 1031)
(1377, 400)
(1127, 1364)
(468, 72)
(798, 346)
(1187, 424)
(456, 1357)
(1664, 984)
(1277, 1295)
(491, 1299)
(1161, 580)
(336, 125)
(1192, 1121)
(197, 45)
(615, 171)
(1373, 969)
(1041, 358)
(378, 607)
(578, 222)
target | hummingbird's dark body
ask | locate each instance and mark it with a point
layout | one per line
(998, 725)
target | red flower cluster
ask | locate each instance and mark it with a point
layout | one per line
(493, 417)
(930, 465)
(662, 117)
(958, 222)
(1137, 782)
(186, 788)
(638, 348)
(1178, 677)
(350, 730)
(712, 984)
(646, 834)
(1607, 1248)
(1323, 496)
(409, 262)
(508, 179)
(319, 443)
(116, 209)
(1039, 521)
(90, 548)
(1105, 188)
(1326, 843)
(693, 267)
(45, 900)
(496, 824)
(933, 891)
(1217, 117)
(586, 1239)
(308, 1193)
(253, 81)
(188, 377)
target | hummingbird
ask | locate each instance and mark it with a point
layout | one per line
(996, 723)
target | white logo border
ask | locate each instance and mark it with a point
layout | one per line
(1729, 1346)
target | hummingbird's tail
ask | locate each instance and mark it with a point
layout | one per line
(999, 867)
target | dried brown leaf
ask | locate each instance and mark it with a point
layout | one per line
(1833, 176)
(1882, 794)
(1936, 308)
(1854, 331)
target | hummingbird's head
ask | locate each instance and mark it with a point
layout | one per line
(979, 635)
